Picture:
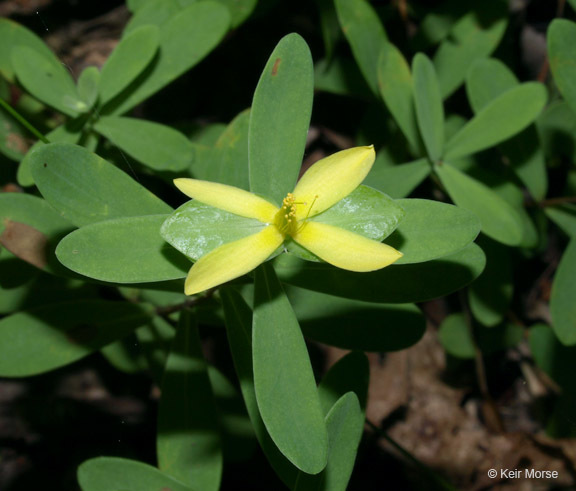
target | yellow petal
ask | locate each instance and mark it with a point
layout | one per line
(345, 249)
(229, 198)
(232, 260)
(332, 179)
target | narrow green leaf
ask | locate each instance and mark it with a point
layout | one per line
(394, 284)
(158, 146)
(329, 25)
(88, 83)
(351, 373)
(490, 295)
(487, 79)
(155, 340)
(340, 76)
(398, 181)
(561, 38)
(429, 108)
(432, 229)
(397, 90)
(437, 23)
(188, 445)
(505, 116)
(283, 378)
(47, 80)
(280, 117)
(130, 57)
(344, 423)
(564, 216)
(365, 34)
(239, 329)
(122, 250)
(228, 160)
(476, 35)
(185, 39)
(500, 221)
(115, 473)
(240, 10)
(356, 325)
(12, 35)
(195, 229)
(85, 188)
(563, 297)
(152, 13)
(124, 355)
(55, 335)
(557, 126)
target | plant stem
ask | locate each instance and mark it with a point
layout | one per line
(23, 121)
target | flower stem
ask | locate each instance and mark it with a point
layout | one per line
(23, 121)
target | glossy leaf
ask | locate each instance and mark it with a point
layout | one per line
(115, 473)
(476, 35)
(122, 250)
(283, 379)
(398, 181)
(239, 329)
(12, 35)
(365, 34)
(561, 39)
(155, 145)
(189, 447)
(185, 39)
(505, 116)
(55, 335)
(397, 90)
(47, 80)
(279, 119)
(344, 423)
(356, 325)
(85, 188)
(499, 220)
(432, 229)
(454, 335)
(130, 57)
(563, 297)
(429, 108)
(490, 295)
(395, 284)
(88, 83)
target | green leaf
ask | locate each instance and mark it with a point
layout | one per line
(340, 76)
(283, 378)
(195, 228)
(47, 80)
(429, 108)
(152, 13)
(86, 189)
(240, 10)
(345, 423)
(356, 325)
(12, 35)
(490, 295)
(365, 34)
(88, 83)
(114, 473)
(158, 146)
(561, 38)
(185, 39)
(476, 35)
(397, 90)
(122, 250)
(394, 284)
(437, 23)
(130, 57)
(557, 126)
(454, 335)
(398, 181)
(279, 119)
(505, 116)
(500, 221)
(432, 229)
(228, 160)
(13, 137)
(563, 297)
(563, 216)
(487, 79)
(55, 335)
(329, 25)
(239, 329)
(66, 133)
(188, 445)
(124, 355)
(555, 359)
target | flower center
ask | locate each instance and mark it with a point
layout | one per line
(285, 219)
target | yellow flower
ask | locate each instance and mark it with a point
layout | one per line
(323, 185)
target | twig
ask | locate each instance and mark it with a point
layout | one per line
(556, 201)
